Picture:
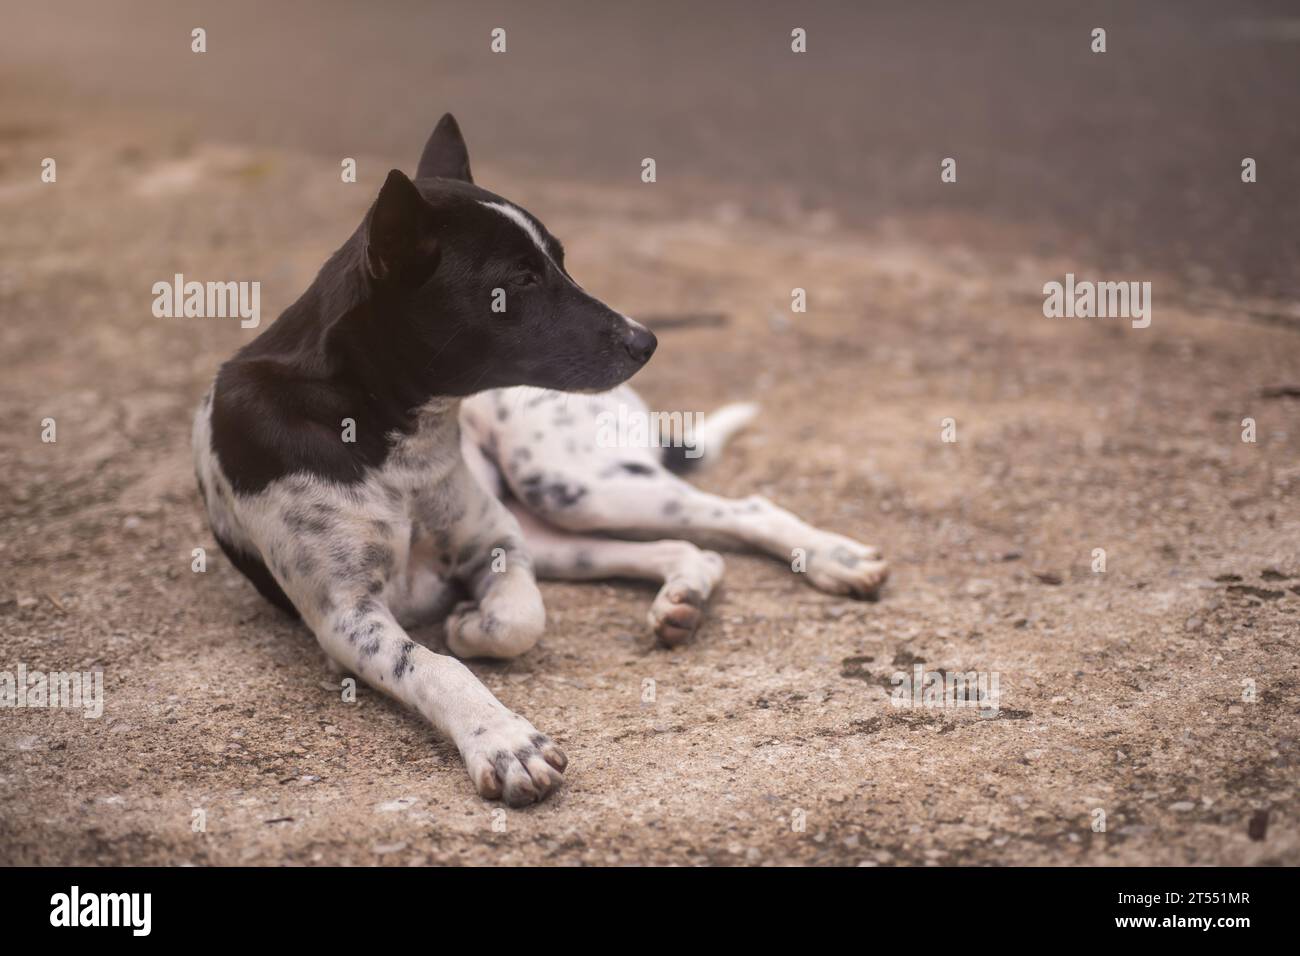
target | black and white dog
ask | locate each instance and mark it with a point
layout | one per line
(392, 444)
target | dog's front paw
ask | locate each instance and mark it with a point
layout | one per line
(467, 629)
(506, 629)
(840, 565)
(509, 759)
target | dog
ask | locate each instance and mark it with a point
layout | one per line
(400, 446)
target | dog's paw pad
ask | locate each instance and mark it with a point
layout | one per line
(510, 760)
(678, 609)
(677, 612)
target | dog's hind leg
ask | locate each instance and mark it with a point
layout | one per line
(547, 448)
(688, 574)
(654, 502)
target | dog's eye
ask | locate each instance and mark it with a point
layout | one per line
(527, 278)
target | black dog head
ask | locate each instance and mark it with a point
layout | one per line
(468, 291)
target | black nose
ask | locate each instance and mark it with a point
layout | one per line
(641, 345)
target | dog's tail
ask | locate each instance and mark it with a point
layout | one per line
(710, 438)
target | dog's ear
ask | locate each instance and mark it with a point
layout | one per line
(399, 231)
(445, 154)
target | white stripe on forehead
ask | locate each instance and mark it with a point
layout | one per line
(523, 222)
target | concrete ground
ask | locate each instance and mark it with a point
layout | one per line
(1162, 692)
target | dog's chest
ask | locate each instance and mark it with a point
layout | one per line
(423, 485)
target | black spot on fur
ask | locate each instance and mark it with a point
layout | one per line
(501, 763)
(376, 557)
(404, 665)
(675, 459)
(550, 495)
(361, 630)
(299, 521)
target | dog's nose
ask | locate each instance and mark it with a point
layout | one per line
(641, 344)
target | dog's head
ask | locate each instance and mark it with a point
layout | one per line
(474, 292)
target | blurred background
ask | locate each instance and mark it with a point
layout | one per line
(1121, 690)
(1132, 157)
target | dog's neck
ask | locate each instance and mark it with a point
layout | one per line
(431, 446)
(332, 333)
(438, 415)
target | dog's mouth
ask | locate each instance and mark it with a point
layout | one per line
(603, 379)
(584, 358)
(633, 349)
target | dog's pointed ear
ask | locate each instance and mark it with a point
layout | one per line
(399, 231)
(445, 154)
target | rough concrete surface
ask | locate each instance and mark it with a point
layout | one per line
(771, 738)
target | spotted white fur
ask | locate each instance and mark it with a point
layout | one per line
(538, 448)
(361, 561)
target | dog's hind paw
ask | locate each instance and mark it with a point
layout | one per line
(678, 609)
(675, 616)
(510, 760)
(840, 565)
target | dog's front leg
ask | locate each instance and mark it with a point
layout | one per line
(505, 755)
(507, 616)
